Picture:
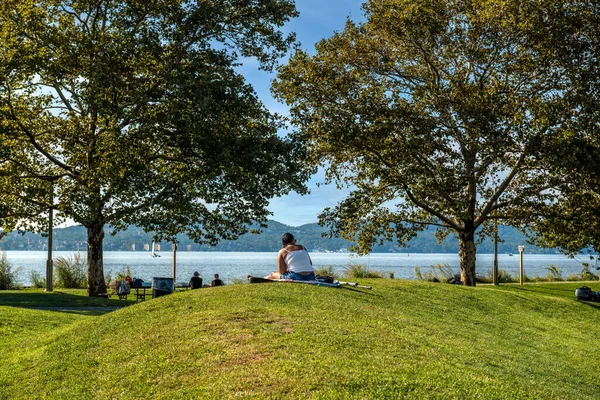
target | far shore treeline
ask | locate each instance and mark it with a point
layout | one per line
(74, 238)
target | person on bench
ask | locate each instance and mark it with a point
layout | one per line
(217, 281)
(196, 281)
(293, 261)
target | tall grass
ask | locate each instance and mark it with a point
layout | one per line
(436, 273)
(8, 275)
(70, 272)
(360, 271)
(326, 271)
(37, 280)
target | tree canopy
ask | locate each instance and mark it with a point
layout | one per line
(127, 112)
(445, 113)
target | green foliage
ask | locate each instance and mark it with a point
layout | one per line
(8, 275)
(437, 273)
(326, 271)
(586, 274)
(123, 273)
(360, 271)
(445, 113)
(554, 273)
(121, 112)
(238, 280)
(37, 280)
(503, 277)
(70, 272)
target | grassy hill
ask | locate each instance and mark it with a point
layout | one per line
(400, 340)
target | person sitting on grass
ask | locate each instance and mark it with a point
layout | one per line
(293, 261)
(217, 281)
(196, 281)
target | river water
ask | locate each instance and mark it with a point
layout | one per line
(234, 265)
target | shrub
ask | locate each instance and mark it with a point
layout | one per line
(358, 271)
(8, 276)
(37, 280)
(124, 273)
(238, 281)
(326, 271)
(437, 273)
(70, 272)
(586, 274)
(554, 273)
(503, 277)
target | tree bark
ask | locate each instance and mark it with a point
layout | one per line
(96, 283)
(467, 254)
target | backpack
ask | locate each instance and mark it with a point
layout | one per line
(586, 294)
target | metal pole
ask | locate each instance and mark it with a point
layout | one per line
(495, 268)
(521, 248)
(49, 266)
(174, 263)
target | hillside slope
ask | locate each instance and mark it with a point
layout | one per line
(74, 238)
(401, 340)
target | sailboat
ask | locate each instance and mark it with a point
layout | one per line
(153, 253)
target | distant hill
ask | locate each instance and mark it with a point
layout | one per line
(74, 238)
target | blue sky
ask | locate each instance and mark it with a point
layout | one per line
(318, 19)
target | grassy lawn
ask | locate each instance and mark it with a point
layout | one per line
(403, 339)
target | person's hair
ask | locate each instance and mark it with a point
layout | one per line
(287, 239)
(217, 276)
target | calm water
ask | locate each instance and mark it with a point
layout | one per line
(232, 265)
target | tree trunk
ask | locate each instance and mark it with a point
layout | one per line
(96, 284)
(467, 254)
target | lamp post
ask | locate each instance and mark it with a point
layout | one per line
(174, 263)
(521, 248)
(495, 268)
(49, 265)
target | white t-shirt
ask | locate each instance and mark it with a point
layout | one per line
(298, 261)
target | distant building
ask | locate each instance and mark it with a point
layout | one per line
(146, 247)
(189, 247)
(132, 246)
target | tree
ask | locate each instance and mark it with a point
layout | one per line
(439, 113)
(572, 221)
(130, 112)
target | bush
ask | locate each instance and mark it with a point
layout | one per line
(70, 272)
(37, 280)
(586, 274)
(437, 273)
(8, 276)
(503, 277)
(238, 281)
(326, 271)
(123, 274)
(358, 271)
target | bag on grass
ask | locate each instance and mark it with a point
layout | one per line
(325, 279)
(586, 294)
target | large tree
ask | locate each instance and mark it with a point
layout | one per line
(438, 112)
(132, 112)
(572, 221)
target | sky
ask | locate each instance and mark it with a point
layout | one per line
(318, 19)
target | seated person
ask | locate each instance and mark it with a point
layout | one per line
(217, 281)
(293, 261)
(196, 281)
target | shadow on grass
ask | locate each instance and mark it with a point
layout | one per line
(59, 299)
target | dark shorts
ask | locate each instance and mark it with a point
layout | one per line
(298, 277)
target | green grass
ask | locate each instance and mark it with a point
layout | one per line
(402, 339)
